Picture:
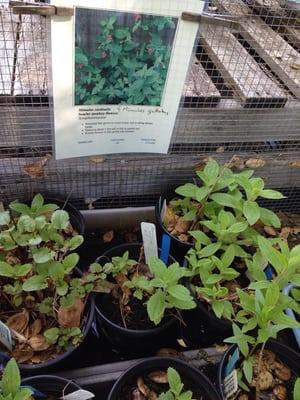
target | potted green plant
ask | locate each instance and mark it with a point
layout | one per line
(215, 188)
(45, 301)
(144, 300)
(264, 366)
(163, 379)
(11, 387)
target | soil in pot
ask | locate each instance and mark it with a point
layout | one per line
(274, 374)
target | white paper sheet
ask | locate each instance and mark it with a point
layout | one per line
(126, 126)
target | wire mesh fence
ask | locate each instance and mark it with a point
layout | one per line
(241, 102)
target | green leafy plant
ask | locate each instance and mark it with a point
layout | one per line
(176, 391)
(262, 306)
(164, 291)
(10, 387)
(129, 64)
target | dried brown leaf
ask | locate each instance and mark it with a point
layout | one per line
(255, 163)
(264, 380)
(295, 66)
(182, 226)
(18, 322)
(108, 236)
(38, 343)
(220, 149)
(221, 348)
(235, 162)
(22, 355)
(97, 160)
(270, 231)
(36, 169)
(280, 392)
(182, 343)
(183, 237)
(137, 395)
(295, 164)
(158, 376)
(285, 232)
(143, 388)
(126, 292)
(282, 371)
(71, 317)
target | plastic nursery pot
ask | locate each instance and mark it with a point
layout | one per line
(178, 248)
(124, 339)
(199, 383)
(288, 356)
(51, 385)
(64, 359)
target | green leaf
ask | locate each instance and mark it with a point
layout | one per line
(37, 202)
(60, 219)
(156, 307)
(296, 391)
(201, 193)
(157, 267)
(174, 380)
(187, 190)
(272, 194)
(43, 255)
(251, 211)
(190, 216)
(226, 200)
(52, 335)
(62, 289)
(212, 170)
(23, 394)
(275, 258)
(180, 292)
(81, 58)
(23, 270)
(210, 250)
(56, 271)
(6, 270)
(248, 369)
(200, 237)
(34, 283)
(26, 224)
(228, 257)
(75, 242)
(20, 208)
(4, 218)
(11, 379)
(238, 227)
(269, 218)
(218, 308)
(70, 261)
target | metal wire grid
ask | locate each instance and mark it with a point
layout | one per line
(235, 102)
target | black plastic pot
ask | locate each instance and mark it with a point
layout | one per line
(200, 381)
(130, 339)
(51, 385)
(288, 356)
(178, 248)
(64, 359)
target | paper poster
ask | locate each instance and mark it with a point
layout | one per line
(118, 71)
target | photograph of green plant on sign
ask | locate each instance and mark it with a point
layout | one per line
(121, 58)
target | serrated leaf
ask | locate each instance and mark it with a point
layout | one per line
(23, 270)
(11, 379)
(187, 190)
(275, 258)
(20, 208)
(52, 335)
(37, 202)
(60, 219)
(43, 255)
(180, 292)
(226, 200)
(174, 381)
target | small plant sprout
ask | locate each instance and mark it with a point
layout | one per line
(163, 291)
(262, 307)
(10, 387)
(176, 391)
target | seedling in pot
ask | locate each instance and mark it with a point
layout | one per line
(10, 386)
(39, 290)
(146, 290)
(261, 317)
(219, 188)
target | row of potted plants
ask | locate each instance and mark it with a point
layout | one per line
(229, 238)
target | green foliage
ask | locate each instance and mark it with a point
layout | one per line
(63, 337)
(164, 291)
(296, 391)
(176, 391)
(10, 383)
(129, 65)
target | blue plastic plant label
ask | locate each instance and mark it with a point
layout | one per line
(233, 359)
(78, 395)
(5, 336)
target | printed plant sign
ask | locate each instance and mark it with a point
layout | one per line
(118, 73)
(121, 58)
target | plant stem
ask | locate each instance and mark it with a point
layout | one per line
(257, 391)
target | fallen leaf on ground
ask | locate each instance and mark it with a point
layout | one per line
(264, 380)
(71, 317)
(181, 343)
(295, 66)
(18, 322)
(285, 232)
(221, 348)
(108, 236)
(36, 169)
(183, 237)
(38, 343)
(35, 328)
(169, 219)
(282, 371)
(280, 392)
(158, 376)
(220, 149)
(295, 164)
(97, 160)
(126, 292)
(143, 388)
(182, 226)
(255, 163)
(235, 162)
